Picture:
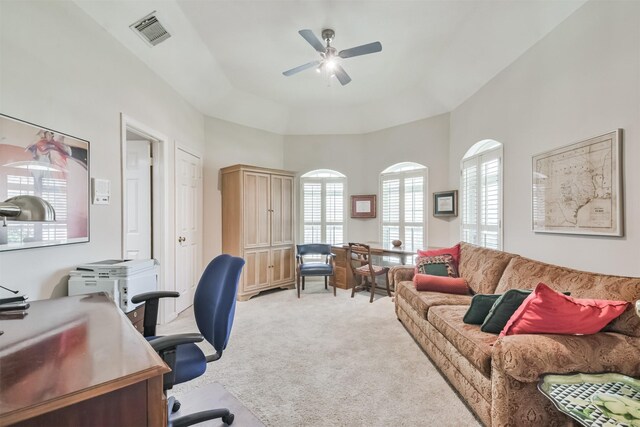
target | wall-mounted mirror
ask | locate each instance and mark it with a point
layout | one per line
(52, 166)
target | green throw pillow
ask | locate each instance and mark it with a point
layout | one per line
(503, 309)
(437, 265)
(480, 307)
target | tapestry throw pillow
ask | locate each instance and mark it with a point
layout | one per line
(546, 311)
(438, 265)
(503, 309)
(454, 251)
(479, 309)
(445, 284)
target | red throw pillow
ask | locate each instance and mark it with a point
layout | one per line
(448, 285)
(453, 251)
(546, 311)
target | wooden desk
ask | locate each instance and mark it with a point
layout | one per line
(78, 361)
(342, 275)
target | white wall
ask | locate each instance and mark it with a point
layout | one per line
(362, 157)
(580, 81)
(229, 144)
(59, 70)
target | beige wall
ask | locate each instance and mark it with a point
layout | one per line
(229, 144)
(580, 81)
(362, 157)
(59, 70)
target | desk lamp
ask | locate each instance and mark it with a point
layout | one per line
(23, 208)
(26, 208)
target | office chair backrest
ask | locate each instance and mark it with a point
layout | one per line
(314, 249)
(214, 303)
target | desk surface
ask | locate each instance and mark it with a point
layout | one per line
(67, 350)
(377, 247)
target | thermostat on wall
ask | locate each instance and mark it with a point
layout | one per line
(101, 191)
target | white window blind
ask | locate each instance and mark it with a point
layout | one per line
(403, 208)
(481, 199)
(54, 191)
(323, 208)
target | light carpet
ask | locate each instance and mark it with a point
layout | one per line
(323, 360)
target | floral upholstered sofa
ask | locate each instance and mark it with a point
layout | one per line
(498, 376)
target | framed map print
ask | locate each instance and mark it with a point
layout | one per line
(577, 188)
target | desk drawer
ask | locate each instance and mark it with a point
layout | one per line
(136, 317)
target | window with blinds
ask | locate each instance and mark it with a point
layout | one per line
(54, 191)
(481, 198)
(323, 205)
(403, 205)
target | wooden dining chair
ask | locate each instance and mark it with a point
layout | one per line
(360, 264)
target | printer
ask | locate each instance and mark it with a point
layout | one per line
(120, 278)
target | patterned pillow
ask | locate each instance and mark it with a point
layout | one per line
(438, 265)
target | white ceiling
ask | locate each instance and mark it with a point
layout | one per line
(226, 57)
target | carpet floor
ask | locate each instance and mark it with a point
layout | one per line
(327, 361)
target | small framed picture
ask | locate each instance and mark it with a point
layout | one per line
(363, 206)
(445, 203)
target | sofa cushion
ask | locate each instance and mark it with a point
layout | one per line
(422, 301)
(482, 267)
(526, 357)
(472, 343)
(627, 323)
(550, 312)
(524, 273)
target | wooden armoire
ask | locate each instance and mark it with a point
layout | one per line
(257, 225)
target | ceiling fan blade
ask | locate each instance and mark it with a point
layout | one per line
(301, 68)
(312, 40)
(361, 50)
(342, 75)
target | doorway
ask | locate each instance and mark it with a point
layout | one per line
(139, 185)
(145, 225)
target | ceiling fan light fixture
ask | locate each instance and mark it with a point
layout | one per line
(331, 64)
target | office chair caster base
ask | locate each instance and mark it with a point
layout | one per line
(176, 406)
(228, 419)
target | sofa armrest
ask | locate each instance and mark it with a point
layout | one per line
(400, 273)
(526, 357)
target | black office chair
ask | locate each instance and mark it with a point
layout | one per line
(214, 307)
(324, 268)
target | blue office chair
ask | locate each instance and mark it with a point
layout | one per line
(214, 306)
(324, 268)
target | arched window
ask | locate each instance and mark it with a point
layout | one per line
(322, 209)
(481, 194)
(403, 187)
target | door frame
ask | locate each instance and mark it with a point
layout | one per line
(200, 195)
(160, 203)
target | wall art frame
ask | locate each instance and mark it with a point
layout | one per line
(363, 206)
(577, 188)
(445, 203)
(39, 161)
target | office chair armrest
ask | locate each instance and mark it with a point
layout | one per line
(152, 301)
(164, 343)
(154, 295)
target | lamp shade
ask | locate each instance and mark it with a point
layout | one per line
(27, 208)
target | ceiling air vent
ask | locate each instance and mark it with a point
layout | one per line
(150, 29)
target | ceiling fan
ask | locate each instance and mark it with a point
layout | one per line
(329, 55)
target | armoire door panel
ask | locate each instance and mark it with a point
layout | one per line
(256, 269)
(257, 230)
(282, 210)
(282, 262)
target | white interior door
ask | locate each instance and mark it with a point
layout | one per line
(188, 226)
(138, 202)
